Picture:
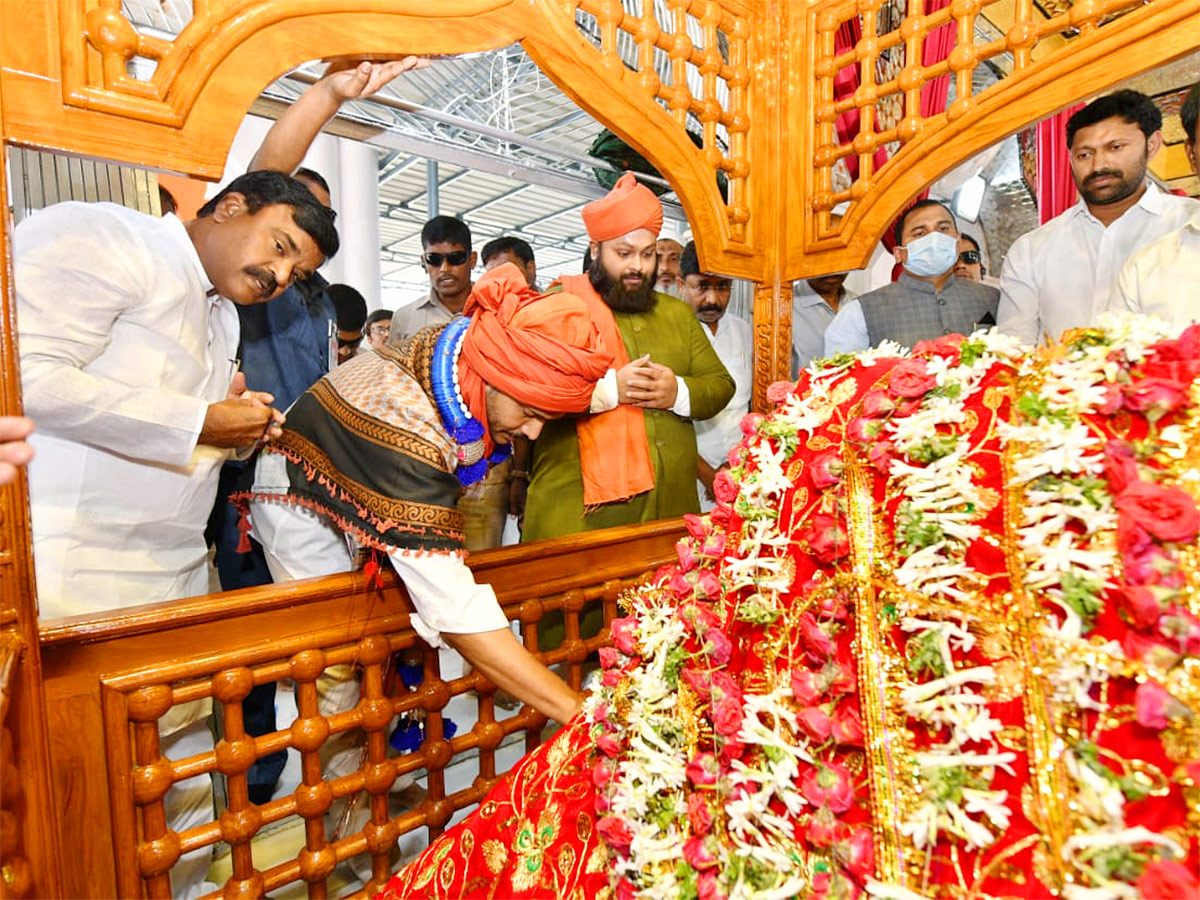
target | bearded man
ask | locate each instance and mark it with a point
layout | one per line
(634, 460)
(1060, 275)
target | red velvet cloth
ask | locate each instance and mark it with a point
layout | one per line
(1055, 184)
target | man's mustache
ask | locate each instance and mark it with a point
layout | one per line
(1104, 173)
(708, 307)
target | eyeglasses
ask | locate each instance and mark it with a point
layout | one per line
(454, 257)
(970, 257)
(376, 330)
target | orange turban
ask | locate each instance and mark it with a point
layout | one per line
(542, 350)
(627, 207)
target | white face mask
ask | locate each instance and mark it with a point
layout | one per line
(932, 254)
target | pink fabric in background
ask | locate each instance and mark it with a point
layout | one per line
(1055, 186)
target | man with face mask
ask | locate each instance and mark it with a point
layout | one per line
(1060, 276)
(928, 301)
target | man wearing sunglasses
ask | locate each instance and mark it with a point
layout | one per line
(970, 259)
(448, 259)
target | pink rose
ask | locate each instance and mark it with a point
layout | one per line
(615, 833)
(816, 641)
(611, 678)
(698, 680)
(699, 617)
(1148, 649)
(721, 516)
(696, 526)
(1155, 397)
(863, 430)
(600, 713)
(707, 887)
(1182, 628)
(1189, 343)
(821, 879)
(815, 723)
(838, 674)
(847, 725)
(687, 556)
(1166, 879)
(731, 749)
(682, 584)
(948, 346)
(708, 585)
(1131, 537)
(714, 546)
(1120, 465)
(876, 404)
(823, 829)
(727, 716)
(1155, 706)
(700, 852)
(626, 890)
(699, 815)
(608, 745)
(826, 468)
(609, 658)
(725, 490)
(736, 456)
(716, 647)
(1174, 371)
(750, 423)
(703, 770)
(1166, 512)
(857, 855)
(1151, 565)
(1140, 606)
(724, 686)
(602, 774)
(827, 538)
(778, 391)
(1114, 399)
(881, 455)
(624, 637)
(910, 378)
(828, 783)
(804, 687)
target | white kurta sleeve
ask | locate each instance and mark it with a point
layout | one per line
(848, 332)
(447, 596)
(77, 269)
(1019, 312)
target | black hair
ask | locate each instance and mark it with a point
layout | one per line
(350, 305)
(314, 176)
(1132, 106)
(166, 201)
(1190, 112)
(515, 245)
(689, 260)
(380, 315)
(446, 230)
(967, 237)
(587, 260)
(265, 188)
(920, 204)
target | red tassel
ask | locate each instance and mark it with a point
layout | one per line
(373, 571)
(243, 545)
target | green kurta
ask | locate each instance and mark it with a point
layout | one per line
(670, 333)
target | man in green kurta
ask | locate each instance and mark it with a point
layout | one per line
(636, 461)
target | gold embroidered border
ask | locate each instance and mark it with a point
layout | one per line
(873, 679)
(380, 433)
(406, 512)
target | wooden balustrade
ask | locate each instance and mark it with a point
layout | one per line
(115, 681)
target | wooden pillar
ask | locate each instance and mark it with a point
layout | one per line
(772, 338)
(30, 859)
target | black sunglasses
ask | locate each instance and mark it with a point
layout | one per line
(454, 257)
(970, 257)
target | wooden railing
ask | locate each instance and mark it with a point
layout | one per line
(113, 680)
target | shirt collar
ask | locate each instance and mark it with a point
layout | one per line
(1151, 201)
(178, 233)
(435, 303)
(920, 285)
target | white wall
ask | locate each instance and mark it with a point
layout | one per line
(351, 169)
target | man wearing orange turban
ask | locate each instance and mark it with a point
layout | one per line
(635, 459)
(374, 456)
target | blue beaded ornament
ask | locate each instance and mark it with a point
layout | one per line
(467, 431)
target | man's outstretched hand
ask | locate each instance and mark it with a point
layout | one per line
(347, 81)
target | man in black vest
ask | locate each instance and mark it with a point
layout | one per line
(928, 301)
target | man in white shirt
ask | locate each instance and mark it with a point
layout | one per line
(1161, 279)
(1060, 275)
(733, 340)
(127, 344)
(815, 302)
